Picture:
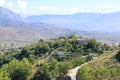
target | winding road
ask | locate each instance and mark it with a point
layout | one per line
(73, 72)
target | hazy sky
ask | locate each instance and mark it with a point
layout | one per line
(61, 6)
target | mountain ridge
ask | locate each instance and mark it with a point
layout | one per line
(82, 21)
(60, 25)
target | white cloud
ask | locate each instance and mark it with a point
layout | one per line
(73, 10)
(2, 2)
(22, 7)
(23, 13)
(22, 4)
(53, 8)
(43, 8)
(10, 4)
(49, 8)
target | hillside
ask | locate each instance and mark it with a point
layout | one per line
(12, 34)
(104, 67)
(43, 60)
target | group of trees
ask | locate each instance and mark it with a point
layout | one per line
(47, 70)
(15, 63)
(8, 56)
(35, 50)
(73, 49)
(67, 44)
(85, 74)
(70, 44)
(54, 69)
(16, 70)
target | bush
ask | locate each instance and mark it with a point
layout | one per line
(83, 73)
(18, 70)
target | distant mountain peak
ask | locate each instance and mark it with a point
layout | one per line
(7, 14)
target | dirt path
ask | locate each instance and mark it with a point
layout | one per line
(40, 61)
(36, 66)
(73, 72)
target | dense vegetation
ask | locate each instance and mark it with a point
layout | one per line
(24, 62)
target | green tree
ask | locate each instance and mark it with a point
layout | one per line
(53, 64)
(58, 44)
(100, 72)
(94, 45)
(83, 73)
(41, 41)
(105, 47)
(63, 68)
(4, 75)
(113, 72)
(43, 73)
(117, 56)
(18, 70)
(24, 53)
(42, 48)
(73, 36)
(78, 61)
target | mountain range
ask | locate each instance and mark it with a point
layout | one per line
(108, 22)
(13, 26)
